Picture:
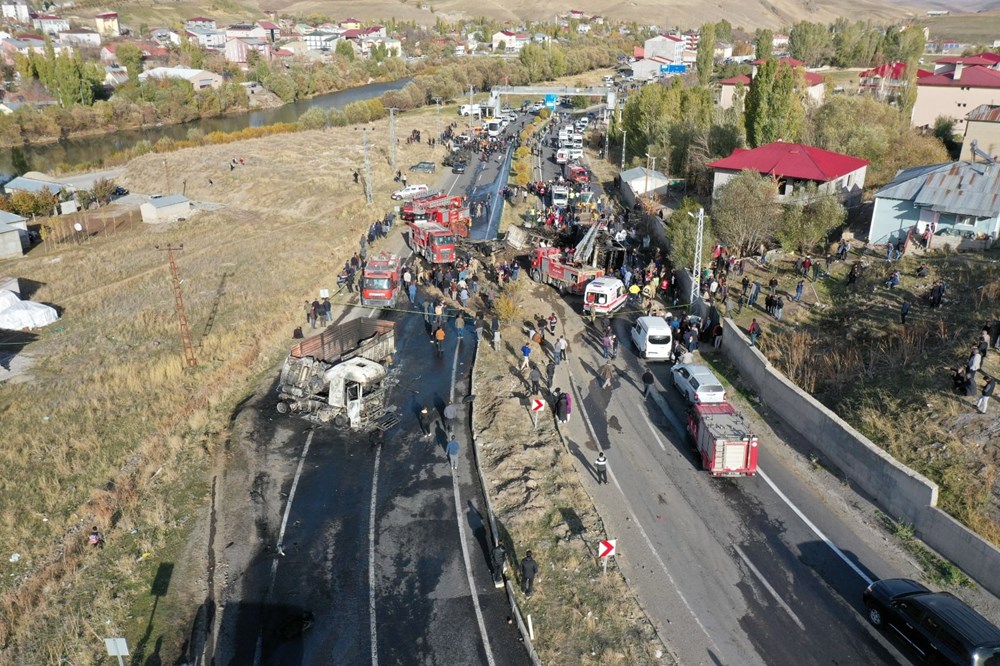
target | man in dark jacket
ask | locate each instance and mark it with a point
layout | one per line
(988, 388)
(426, 421)
(647, 382)
(529, 568)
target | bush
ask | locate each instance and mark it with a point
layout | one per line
(313, 119)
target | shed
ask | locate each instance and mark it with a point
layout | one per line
(13, 235)
(165, 209)
(635, 183)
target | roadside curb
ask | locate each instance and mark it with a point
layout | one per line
(522, 627)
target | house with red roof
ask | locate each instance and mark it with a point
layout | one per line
(272, 32)
(795, 165)
(107, 24)
(815, 84)
(886, 81)
(958, 85)
(513, 42)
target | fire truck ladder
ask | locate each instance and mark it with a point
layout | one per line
(585, 248)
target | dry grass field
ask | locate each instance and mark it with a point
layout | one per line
(681, 13)
(109, 429)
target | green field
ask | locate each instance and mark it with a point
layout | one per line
(966, 28)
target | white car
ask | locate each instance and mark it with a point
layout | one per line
(410, 191)
(697, 383)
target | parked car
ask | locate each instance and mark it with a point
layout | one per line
(424, 167)
(941, 627)
(458, 165)
(410, 191)
(697, 383)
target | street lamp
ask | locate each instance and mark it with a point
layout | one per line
(437, 100)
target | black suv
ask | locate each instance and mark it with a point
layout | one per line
(941, 627)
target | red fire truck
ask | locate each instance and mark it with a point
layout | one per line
(419, 209)
(434, 243)
(547, 266)
(723, 439)
(381, 280)
(453, 216)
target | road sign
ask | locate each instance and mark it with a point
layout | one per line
(537, 405)
(551, 100)
(608, 548)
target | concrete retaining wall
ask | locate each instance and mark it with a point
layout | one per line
(898, 490)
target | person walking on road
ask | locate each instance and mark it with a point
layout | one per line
(561, 401)
(529, 569)
(560, 349)
(606, 344)
(647, 382)
(607, 373)
(525, 354)
(426, 421)
(439, 336)
(550, 374)
(498, 559)
(460, 325)
(450, 414)
(453, 449)
(601, 465)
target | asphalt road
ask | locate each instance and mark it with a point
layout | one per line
(385, 548)
(762, 570)
(411, 586)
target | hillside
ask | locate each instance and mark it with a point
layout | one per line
(668, 13)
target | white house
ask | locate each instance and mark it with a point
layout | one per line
(200, 22)
(958, 200)
(513, 41)
(321, 41)
(670, 47)
(50, 25)
(17, 10)
(165, 36)
(165, 209)
(80, 37)
(199, 78)
(107, 24)
(245, 31)
(207, 38)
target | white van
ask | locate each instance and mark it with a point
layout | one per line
(562, 156)
(604, 296)
(411, 191)
(653, 338)
(469, 110)
(493, 128)
(574, 153)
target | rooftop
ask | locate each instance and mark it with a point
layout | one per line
(975, 76)
(168, 200)
(989, 113)
(791, 160)
(963, 188)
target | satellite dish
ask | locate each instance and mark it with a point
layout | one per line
(78, 226)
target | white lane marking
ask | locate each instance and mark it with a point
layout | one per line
(371, 560)
(816, 530)
(461, 530)
(784, 498)
(649, 423)
(281, 538)
(635, 519)
(454, 182)
(767, 586)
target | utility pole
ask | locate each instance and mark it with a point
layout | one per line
(166, 173)
(368, 169)
(649, 192)
(646, 186)
(437, 100)
(189, 358)
(696, 270)
(624, 134)
(392, 137)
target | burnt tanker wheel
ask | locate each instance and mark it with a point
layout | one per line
(282, 407)
(340, 420)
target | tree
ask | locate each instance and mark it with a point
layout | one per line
(130, 57)
(774, 104)
(724, 31)
(706, 53)
(102, 191)
(944, 131)
(344, 49)
(809, 219)
(764, 44)
(746, 211)
(312, 119)
(810, 43)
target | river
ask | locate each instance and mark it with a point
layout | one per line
(45, 157)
